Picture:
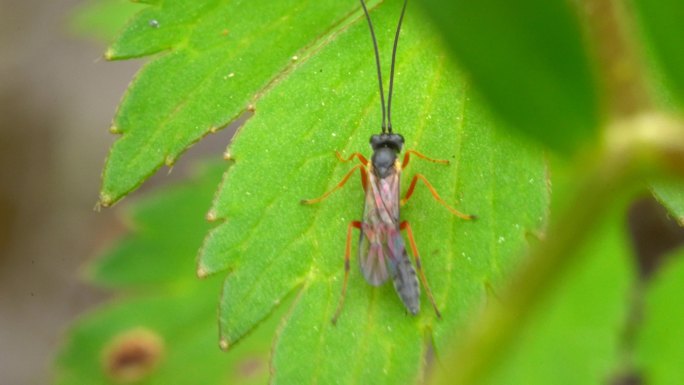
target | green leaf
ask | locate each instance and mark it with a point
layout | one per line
(528, 60)
(214, 56)
(272, 245)
(575, 335)
(660, 25)
(164, 331)
(102, 19)
(660, 343)
(670, 193)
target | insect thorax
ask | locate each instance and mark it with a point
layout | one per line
(385, 150)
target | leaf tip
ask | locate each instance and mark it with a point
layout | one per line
(202, 272)
(224, 344)
(109, 54)
(106, 200)
(169, 161)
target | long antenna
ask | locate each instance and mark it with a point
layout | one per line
(377, 64)
(386, 112)
(394, 55)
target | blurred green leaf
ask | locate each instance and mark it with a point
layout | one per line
(168, 228)
(575, 335)
(670, 193)
(102, 19)
(272, 245)
(660, 23)
(214, 56)
(660, 343)
(528, 60)
(164, 331)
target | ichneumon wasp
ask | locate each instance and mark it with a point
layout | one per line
(382, 251)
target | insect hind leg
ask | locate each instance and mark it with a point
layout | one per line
(347, 252)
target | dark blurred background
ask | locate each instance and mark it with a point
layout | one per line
(57, 99)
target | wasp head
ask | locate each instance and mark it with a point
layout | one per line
(385, 150)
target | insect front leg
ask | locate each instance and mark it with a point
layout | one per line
(347, 253)
(362, 159)
(364, 178)
(414, 249)
(434, 195)
(358, 155)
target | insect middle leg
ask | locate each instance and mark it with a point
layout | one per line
(418, 154)
(347, 252)
(414, 249)
(421, 177)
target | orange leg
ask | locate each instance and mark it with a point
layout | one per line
(344, 180)
(418, 154)
(434, 194)
(358, 155)
(364, 162)
(406, 226)
(347, 252)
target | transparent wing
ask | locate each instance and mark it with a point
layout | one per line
(380, 219)
(373, 255)
(382, 251)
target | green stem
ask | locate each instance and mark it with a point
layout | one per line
(636, 149)
(494, 333)
(637, 144)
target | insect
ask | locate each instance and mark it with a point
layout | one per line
(382, 251)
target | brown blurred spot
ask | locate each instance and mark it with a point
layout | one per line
(132, 355)
(251, 367)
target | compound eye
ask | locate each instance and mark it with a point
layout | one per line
(397, 141)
